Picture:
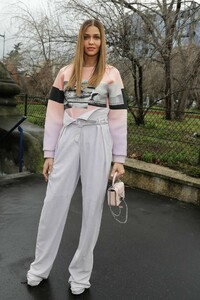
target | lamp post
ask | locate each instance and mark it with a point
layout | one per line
(4, 42)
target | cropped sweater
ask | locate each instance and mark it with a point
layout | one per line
(108, 95)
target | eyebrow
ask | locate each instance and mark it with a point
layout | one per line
(87, 34)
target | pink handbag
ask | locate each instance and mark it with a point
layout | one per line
(115, 192)
(116, 199)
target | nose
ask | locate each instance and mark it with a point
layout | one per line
(91, 41)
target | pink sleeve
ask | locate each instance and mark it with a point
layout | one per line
(53, 125)
(118, 130)
(118, 117)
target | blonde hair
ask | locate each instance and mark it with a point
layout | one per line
(78, 62)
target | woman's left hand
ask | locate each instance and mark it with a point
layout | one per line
(119, 168)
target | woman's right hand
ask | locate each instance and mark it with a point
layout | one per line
(47, 168)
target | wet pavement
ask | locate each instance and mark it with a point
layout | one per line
(155, 255)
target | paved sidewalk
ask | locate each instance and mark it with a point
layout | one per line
(156, 255)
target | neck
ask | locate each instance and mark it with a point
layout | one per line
(90, 61)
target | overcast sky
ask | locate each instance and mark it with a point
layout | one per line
(7, 25)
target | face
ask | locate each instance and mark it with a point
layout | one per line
(92, 41)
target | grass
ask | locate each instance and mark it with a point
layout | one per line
(35, 113)
(168, 143)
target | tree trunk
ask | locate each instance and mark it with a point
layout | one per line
(139, 119)
(168, 90)
(138, 88)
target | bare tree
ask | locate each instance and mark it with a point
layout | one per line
(46, 40)
(186, 68)
(160, 20)
(14, 62)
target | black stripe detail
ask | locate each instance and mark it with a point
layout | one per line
(56, 95)
(97, 104)
(66, 106)
(120, 106)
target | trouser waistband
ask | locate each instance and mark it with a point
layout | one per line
(82, 122)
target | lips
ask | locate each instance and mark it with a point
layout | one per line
(90, 49)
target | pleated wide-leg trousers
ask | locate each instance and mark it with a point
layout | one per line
(84, 149)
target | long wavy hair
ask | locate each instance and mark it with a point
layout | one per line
(78, 62)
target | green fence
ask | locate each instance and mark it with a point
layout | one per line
(33, 107)
(175, 144)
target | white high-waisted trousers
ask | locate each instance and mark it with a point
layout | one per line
(84, 149)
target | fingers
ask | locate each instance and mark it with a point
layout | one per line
(112, 173)
(120, 175)
(47, 169)
(45, 174)
(119, 168)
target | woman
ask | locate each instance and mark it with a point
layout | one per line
(85, 130)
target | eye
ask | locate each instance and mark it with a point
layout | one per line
(97, 37)
(85, 37)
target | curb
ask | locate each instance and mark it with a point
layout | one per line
(9, 177)
(162, 180)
